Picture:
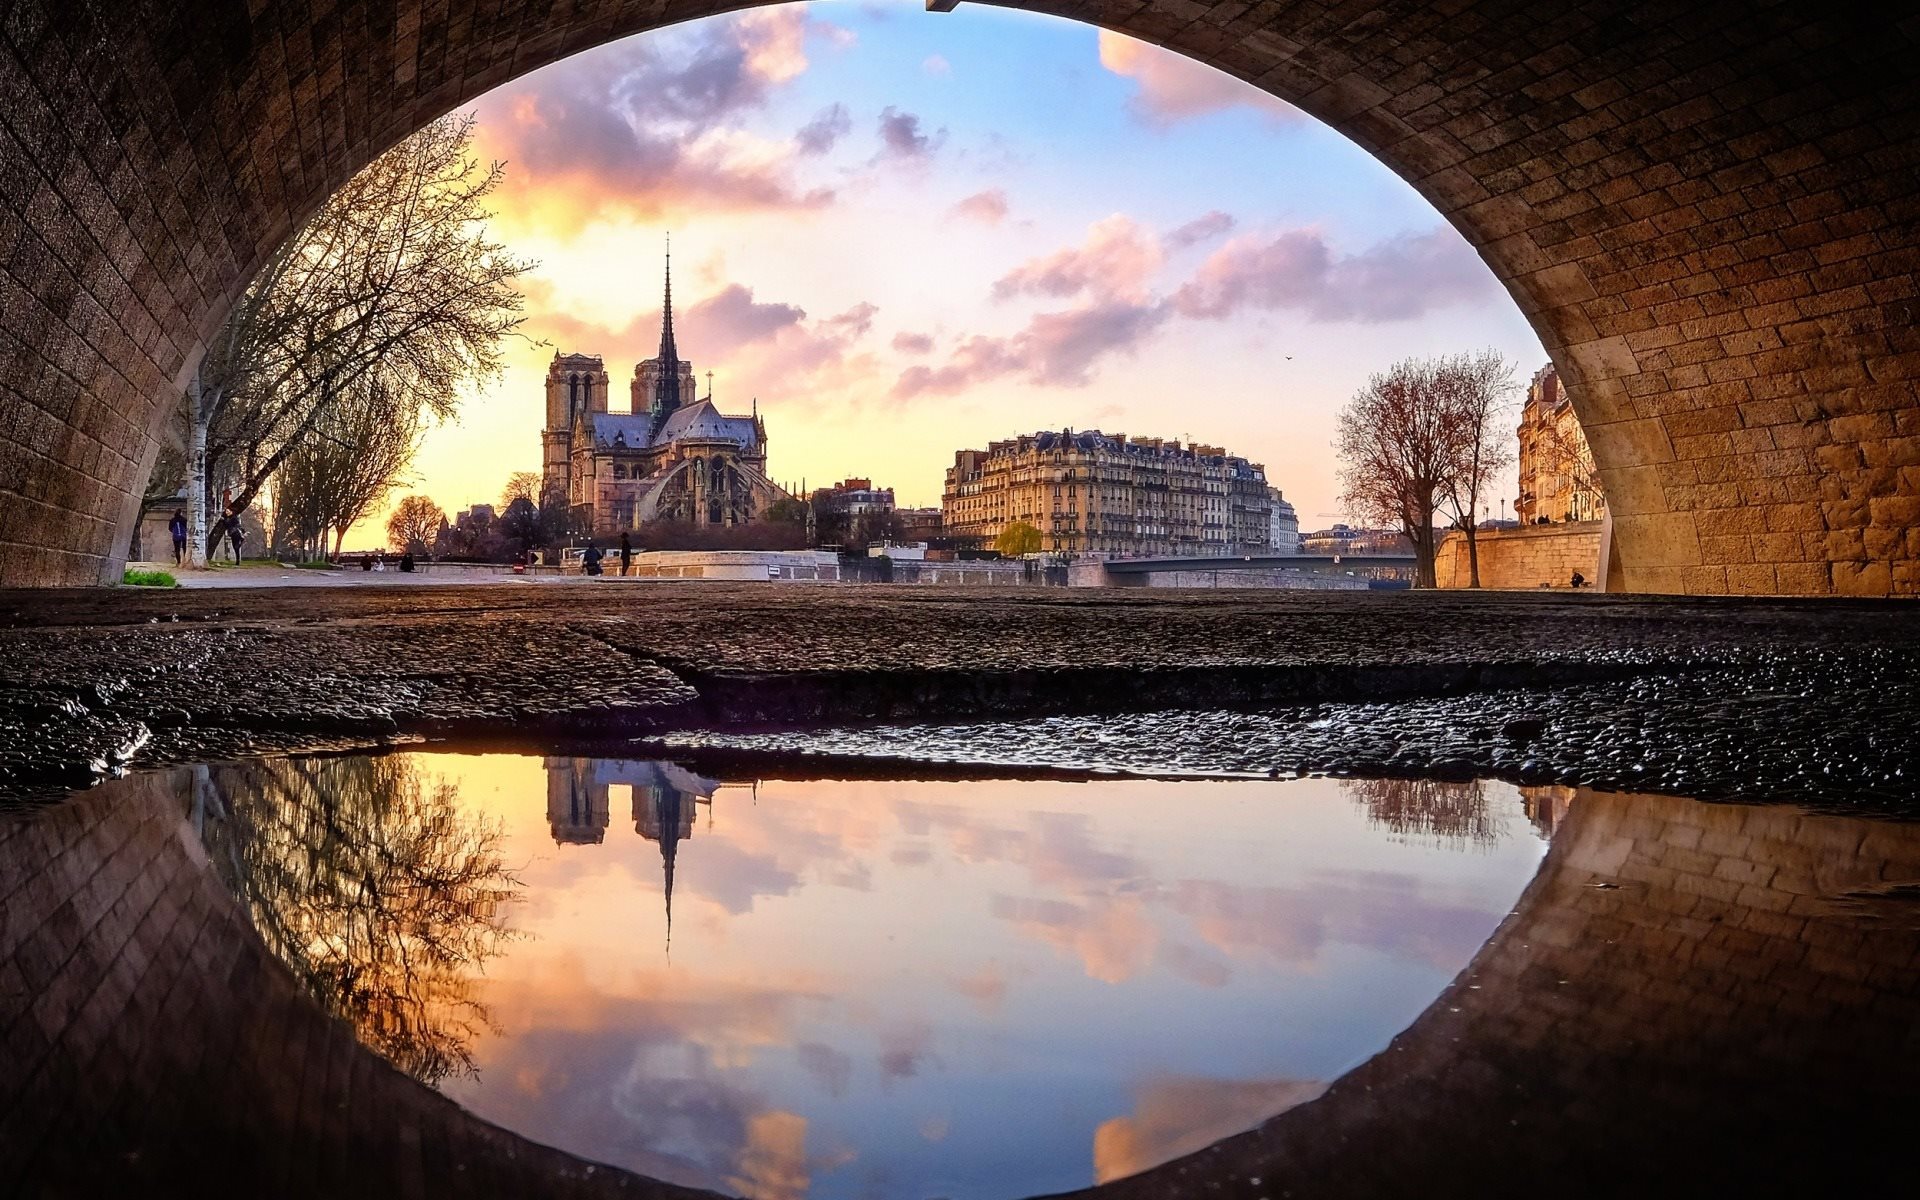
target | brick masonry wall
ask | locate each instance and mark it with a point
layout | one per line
(1711, 215)
(1529, 557)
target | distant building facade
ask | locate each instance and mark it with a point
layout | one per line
(1349, 540)
(1283, 524)
(1558, 481)
(1108, 494)
(671, 457)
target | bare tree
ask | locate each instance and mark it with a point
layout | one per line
(1475, 389)
(415, 521)
(355, 457)
(521, 485)
(393, 279)
(374, 886)
(1396, 455)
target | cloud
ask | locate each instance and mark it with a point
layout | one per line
(937, 65)
(901, 136)
(1395, 280)
(652, 125)
(1177, 1115)
(1118, 259)
(989, 207)
(827, 127)
(913, 343)
(1111, 273)
(761, 348)
(1202, 228)
(1174, 87)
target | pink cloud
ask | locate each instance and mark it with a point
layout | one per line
(989, 207)
(1394, 280)
(1118, 259)
(902, 138)
(1202, 228)
(1174, 87)
(1112, 272)
(652, 124)
(769, 349)
(820, 134)
(1059, 348)
(913, 343)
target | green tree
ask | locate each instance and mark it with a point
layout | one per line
(1018, 539)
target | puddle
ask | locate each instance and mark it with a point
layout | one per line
(844, 988)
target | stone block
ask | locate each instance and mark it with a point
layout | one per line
(1862, 579)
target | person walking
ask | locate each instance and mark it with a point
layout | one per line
(590, 561)
(626, 552)
(235, 534)
(178, 528)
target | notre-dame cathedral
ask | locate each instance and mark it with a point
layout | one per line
(672, 457)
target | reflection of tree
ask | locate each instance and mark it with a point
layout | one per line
(1448, 811)
(376, 890)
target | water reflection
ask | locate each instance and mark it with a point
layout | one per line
(983, 988)
(372, 883)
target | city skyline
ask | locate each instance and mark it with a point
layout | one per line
(1174, 254)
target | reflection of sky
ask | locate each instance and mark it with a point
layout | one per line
(958, 988)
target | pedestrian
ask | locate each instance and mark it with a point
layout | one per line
(178, 528)
(590, 561)
(626, 552)
(1579, 581)
(237, 535)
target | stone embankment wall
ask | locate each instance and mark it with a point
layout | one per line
(1095, 574)
(1531, 556)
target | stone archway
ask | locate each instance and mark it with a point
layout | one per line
(1709, 213)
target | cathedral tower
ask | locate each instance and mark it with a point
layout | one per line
(576, 388)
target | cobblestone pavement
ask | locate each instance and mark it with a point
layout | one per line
(1805, 701)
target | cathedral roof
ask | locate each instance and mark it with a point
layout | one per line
(700, 421)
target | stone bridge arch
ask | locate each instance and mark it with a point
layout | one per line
(1709, 211)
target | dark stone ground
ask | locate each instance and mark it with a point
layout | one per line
(1813, 702)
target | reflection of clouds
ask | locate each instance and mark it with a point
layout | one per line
(1176, 1115)
(830, 1068)
(986, 987)
(904, 1050)
(1291, 925)
(1195, 965)
(1111, 936)
(649, 1079)
(773, 1165)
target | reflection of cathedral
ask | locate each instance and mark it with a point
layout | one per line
(665, 799)
(671, 457)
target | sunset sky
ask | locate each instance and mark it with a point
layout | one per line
(909, 233)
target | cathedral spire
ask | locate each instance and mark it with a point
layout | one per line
(667, 382)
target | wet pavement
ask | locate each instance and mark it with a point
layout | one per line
(1809, 702)
(1686, 995)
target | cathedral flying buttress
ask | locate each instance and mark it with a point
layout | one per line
(672, 457)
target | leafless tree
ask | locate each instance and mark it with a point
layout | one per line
(1476, 389)
(415, 522)
(1424, 434)
(1452, 813)
(393, 280)
(521, 485)
(373, 886)
(1396, 455)
(355, 457)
